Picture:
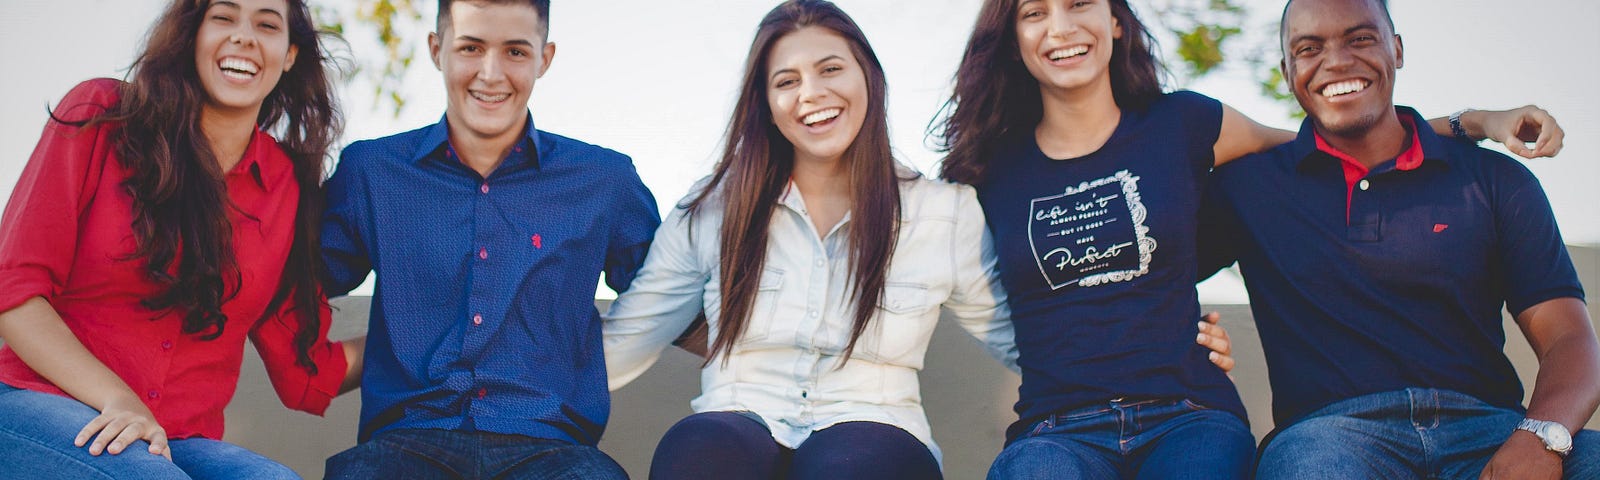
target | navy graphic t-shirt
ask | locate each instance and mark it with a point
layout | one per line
(1097, 254)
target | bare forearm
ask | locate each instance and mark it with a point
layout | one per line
(42, 340)
(354, 353)
(1568, 387)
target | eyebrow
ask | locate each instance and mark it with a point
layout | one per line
(818, 62)
(473, 39)
(1347, 32)
(236, 6)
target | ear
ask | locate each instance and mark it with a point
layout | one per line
(549, 56)
(288, 61)
(1116, 28)
(434, 45)
(1399, 53)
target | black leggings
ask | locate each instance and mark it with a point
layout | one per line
(734, 446)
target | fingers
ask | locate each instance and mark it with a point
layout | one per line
(1549, 141)
(158, 443)
(107, 435)
(129, 434)
(89, 430)
(1223, 362)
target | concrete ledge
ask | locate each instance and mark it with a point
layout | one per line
(968, 396)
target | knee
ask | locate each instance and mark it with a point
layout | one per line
(1325, 448)
(268, 470)
(703, 430)
(1037, 458)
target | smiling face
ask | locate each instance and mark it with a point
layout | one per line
(491, 55)
(817, 92)
(242, 49)
(1067, 44)
(1340, 57)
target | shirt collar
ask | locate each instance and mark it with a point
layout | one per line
(264, 161)
(436, 140)
(1425, 146)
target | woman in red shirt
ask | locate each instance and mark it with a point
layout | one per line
(154, 229)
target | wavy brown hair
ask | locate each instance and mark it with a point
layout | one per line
(757, 162)
(180, 201)
(995, 96)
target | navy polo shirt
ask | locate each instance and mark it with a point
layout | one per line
(1396, 283)
(1097, 255)
(483, 316)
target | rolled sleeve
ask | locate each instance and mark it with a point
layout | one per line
(39, 231)
(298, 387)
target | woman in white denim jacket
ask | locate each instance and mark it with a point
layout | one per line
(807, 386)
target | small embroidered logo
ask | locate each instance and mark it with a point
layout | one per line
(538, 242)
(1439, 227)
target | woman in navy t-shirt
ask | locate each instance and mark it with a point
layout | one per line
(1090, 178)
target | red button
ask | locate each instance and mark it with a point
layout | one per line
(166, 344)
(538, 242)
(482, 392)
(483, 253)
(153, 395)
(484, 188)
(477, 319)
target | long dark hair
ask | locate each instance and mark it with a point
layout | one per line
(756, 165)
(180, 201)
(995, 96)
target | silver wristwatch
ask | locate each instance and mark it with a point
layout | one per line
(1556, 437)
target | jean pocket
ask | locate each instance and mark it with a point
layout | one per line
(769, 294)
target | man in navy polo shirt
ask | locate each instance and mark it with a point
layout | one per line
(1378, 257)
(484, 357)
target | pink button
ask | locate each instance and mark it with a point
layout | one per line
(477, 319)
(482, 392)
(483, 253)
(484, 188)
(153, 395)
(538, 242)
(166, 344)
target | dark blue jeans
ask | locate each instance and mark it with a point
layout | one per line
(449, 454)
(738, 446)
(36, 432)
(1143, 439)
(1411, 433)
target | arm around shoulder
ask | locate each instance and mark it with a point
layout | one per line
(978, 300)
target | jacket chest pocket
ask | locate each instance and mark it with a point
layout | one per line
(903, 325)
(758, 327)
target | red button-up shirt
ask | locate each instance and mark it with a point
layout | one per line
(67, 235)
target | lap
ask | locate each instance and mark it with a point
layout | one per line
(868, 450)
(207, 459)
(36, 435)
(443, 454)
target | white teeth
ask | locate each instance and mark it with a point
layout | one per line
(821, 116)
(490, 98)
(232, 64)
(1069, 52)
(1345, 87)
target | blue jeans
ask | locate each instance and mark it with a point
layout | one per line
(448, 454)
(1411, 433)
(1143, 439)
(37, 429)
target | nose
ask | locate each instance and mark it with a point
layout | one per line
(489, 69)
(1061, 24)
(242, 39)
(1337, 57)
(812, 90)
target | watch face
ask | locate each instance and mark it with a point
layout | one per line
(1557, 437)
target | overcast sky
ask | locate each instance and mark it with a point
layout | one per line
(656, 79)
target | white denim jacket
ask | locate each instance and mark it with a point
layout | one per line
(785, 367)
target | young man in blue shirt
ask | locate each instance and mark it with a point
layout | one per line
(1378, 257)
(487, 236)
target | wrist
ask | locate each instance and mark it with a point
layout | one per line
(1467, 124)
(1554, 436)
